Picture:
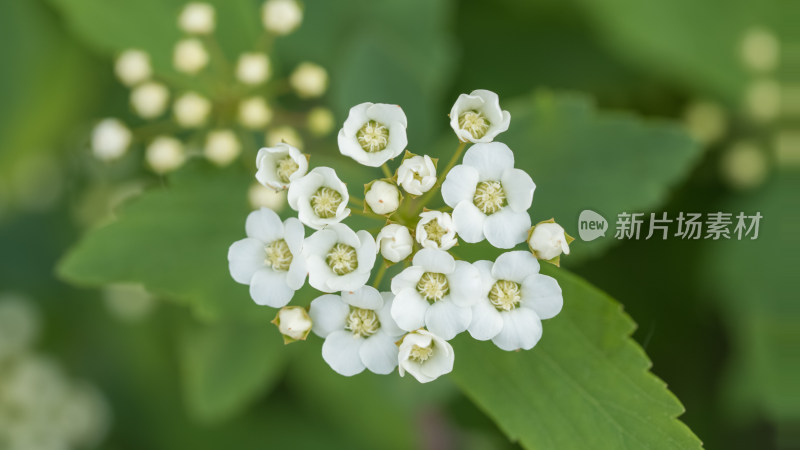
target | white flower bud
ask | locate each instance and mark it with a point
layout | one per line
(149, 100)
(110, 139)
(425, 356)
(383, 197)
(284, 134)
(264, 197)
(309, 80)
(191, 110)
(133, 67)
(19, 326)
(252, 68)
(548, 241)
(760, 50)
(190, 56)
(197, 18)
(744, 165)
(165, 154)
(128, 302)
(294, 323)
(395, 242)
(222, 147)
(417, 174)
(281, 16)
(320, 121)
(436, 230)
(254, 113)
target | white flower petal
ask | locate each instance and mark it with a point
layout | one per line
(328, 314)
(518, 187)
(515, 266)
(264, 225)
(407, 279)
(469, 222)
(245, 257)
(387, 114)
(320, 242)
(388, 324)
(296, 275)
(379, 353)
(522, 329)
(506, 228)
(486, 321)
(349, 282)
(465, 284)
(542, 294)
(356, 119)
(445, 319)
(270, 288)
(408, 310)
(341, 351)
(366, 297)
(434, 261)
(293, 234)
(490, 159)
(459, 185)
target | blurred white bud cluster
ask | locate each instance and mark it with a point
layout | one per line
(40, 407)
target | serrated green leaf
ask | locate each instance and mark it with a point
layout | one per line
(585, 385)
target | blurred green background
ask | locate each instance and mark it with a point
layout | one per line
(604, 97)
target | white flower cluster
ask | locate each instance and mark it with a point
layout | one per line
(216, 131)
(435, 295)
(40, 407)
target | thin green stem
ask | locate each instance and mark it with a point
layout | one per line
(386, 172)
(379, 275)
(357, 201)
(367, 214)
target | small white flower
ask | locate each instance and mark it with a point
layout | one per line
(133, 67)
(222, 147)
(190, 56)
(281, 16)
(165, 154)
(373, 133)
(252, 68)
(436, 292)
(382, 197)
(358, 330)
(548, 241)
(278, 166)
(417, 174)
(425, 356)
(514, 299)
(254, 113)
(191, 110)
(338, 258)
(269, 258)
(309, 80)
(320, 121)
(320, 198)
(436, 230)
(284, 134)
(294, 323)
(149, 100)
(261, 196)
(490, 198)
(110, 139)
(197, 18)
(395, 242)
(477, 117)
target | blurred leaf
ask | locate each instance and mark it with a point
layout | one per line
(174, 240)
(586, 384)
(226, 366)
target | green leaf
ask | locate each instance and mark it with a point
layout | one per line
(174, 240)
(585, 385)
(227, 366)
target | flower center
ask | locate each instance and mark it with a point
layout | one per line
(505, 295)
(362, 322)
(475, 122)
(325, 202)
(285, 168)
(342, 259)
(421, 354)
(433, 286)
(489, 197)
(435, 231)
(278, 256)
(373, 136)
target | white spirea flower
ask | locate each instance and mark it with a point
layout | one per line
(269, 258)
(358, 330)
(281, 17)
(191, 110)
(514, 299)
(489, 197)
(477, 117)
(373, 133)
(197, 18)
(19, 326)
(320, 121)
(309, 80)
(165, 154)
(278, 166)
(436, 292)
(149, 100)
(417, 174)
(382, 197)
(110, 139)
(548, 240)
(395, 242)
(294, 323)
(190, 56)
(320, 198)
(252, 68)
(254, 113)
(133, 67)
(425, 356)
(261, 196)
(436, 230)
(338, 258)
(284, 134)
(222, 147)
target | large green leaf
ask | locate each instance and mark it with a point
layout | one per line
(585, 385)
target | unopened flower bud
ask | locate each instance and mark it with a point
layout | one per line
(133, 67)
(309, 80)
(320, 121)
(222, 147)
(294, 323)
(382, 197)
(252, 68)
(149, 100)
(264, 197)
(548, 241)
(254, 113)
(165, 154)
(197, 18)
(110, 139)
(284, 134)
(395, 242)
(190, 56)
(281, 17)
(191, 110)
